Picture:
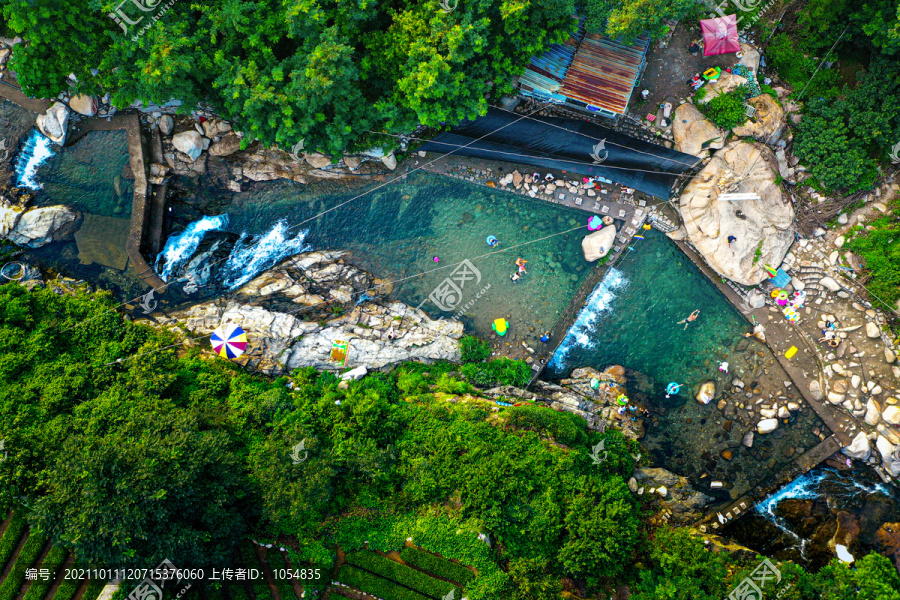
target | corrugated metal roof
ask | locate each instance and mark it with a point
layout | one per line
(604, 72)
(556, 60)
(595, 70)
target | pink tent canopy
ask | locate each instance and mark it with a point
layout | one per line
(720, 35)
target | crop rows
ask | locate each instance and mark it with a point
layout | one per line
(401, 574)
(426, 561)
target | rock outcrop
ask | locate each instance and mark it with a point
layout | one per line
(597, 405)
(726, 83)
(761, 228)
(281, 339)
(681, 498)
(54, 123)
(36, 227)
(694, 133)
(766, 124)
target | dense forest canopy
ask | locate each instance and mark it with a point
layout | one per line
(323, 71)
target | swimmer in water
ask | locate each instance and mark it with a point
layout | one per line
(515, 277)
(436, 259)
(520, 262)
(693, 317)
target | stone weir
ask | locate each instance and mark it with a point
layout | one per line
(148, 205)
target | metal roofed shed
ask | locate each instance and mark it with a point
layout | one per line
(604, 73)
(589, 72)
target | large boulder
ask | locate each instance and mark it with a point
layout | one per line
(84, 105)
(727, 82)
(707, 392)
(859, 448)
(692, 130)
(766, 123)
(39, 226)
(228, 145)
(598, 244)
(189, 142)
(9, 217)
(761, 228)
(750, 57)
(54, 123)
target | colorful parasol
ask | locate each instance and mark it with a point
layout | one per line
(229, 341)
(595, 223)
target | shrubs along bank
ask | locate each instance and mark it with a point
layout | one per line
(180, 455)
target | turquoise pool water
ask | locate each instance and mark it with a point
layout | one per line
(632, 318)
(396, 231)
(94, 177)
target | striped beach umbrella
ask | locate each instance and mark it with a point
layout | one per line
(229, 341)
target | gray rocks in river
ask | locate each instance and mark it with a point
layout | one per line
(166, 125)
(36, 227)
(761, 228)
(280, 339)
(188, 142)
(681, 498)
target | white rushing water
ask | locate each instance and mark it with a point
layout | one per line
(583, 332)
(180, 247)
(249, 257)
(36, 150)
(807, 487)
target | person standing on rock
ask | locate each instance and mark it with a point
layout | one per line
(731, 239)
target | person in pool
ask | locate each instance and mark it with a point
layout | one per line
(515, 278)
(692, 317)
(494, 242)
(520, 262)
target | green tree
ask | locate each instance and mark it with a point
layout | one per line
(826, 144)
(682, 569)
(136, 483)
(601, 530)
